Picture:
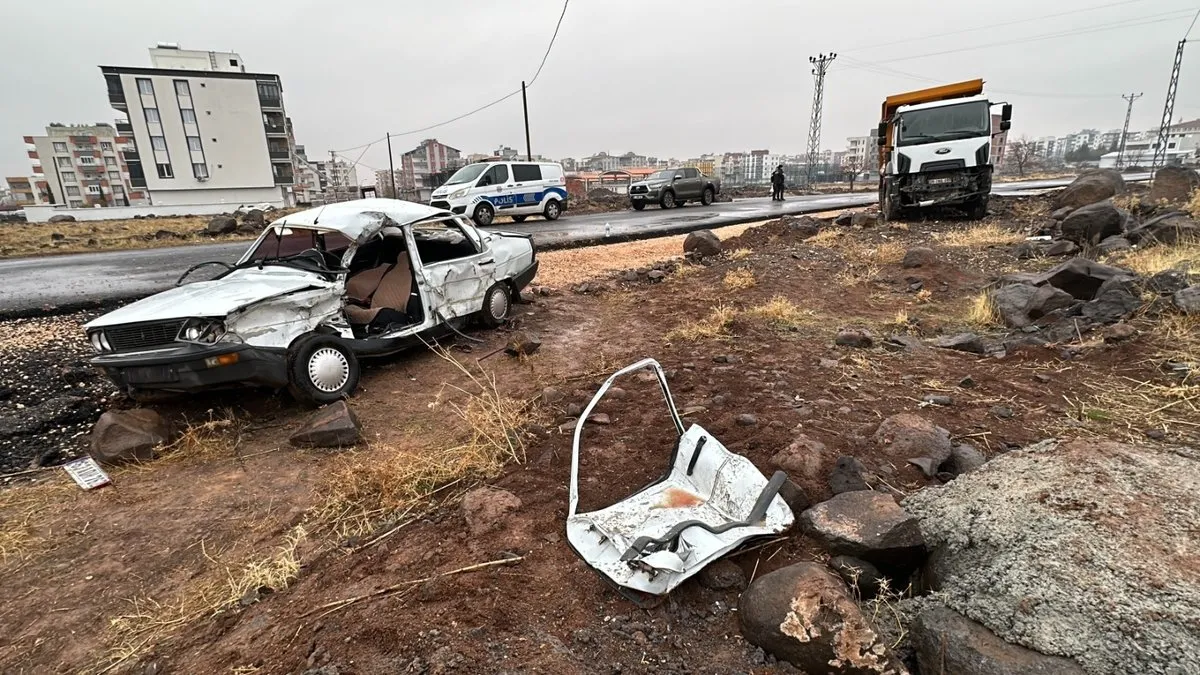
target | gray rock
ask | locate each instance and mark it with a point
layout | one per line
(1092, 223)
(1188, 300)
(927, 465)
(802, 457)
(967, 382)
(908, 435)
(938, 399)
(948, 642)
(858, 573)
(1001, 411)
(128, 436)
(1080, 277)
(1167, 282)
(551, 396)
(918, 256)
(804, 615)
(857, 337)
(1091, 187)
(794, 496)
(253, 217)
(1059, 565)
(1117, 298)
(61, 218)
(804, 226)
(844, 219)
(868, 525)
(746, 420)
(1174, 185)
(629, 275)
(1120, 332)
(1114, 243)
(702, 244)
(1060, 248)
(964, 458)
(523, 344)
(656, 275)
(221, 225)
(1169, 229)
(963, 342)
(847, 476)
(722, 574)
(1062, 213)
(334, 426)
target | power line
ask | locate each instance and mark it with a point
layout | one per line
(551, 45)
(1192, 25)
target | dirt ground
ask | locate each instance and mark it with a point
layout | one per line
(236, 553)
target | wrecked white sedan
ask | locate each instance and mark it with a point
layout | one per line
(317, 290)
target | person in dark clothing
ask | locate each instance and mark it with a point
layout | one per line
(777, 179)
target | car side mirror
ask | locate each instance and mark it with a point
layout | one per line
(678, 176)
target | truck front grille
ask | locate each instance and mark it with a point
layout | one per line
(142, 335)
(638, 190)
(943, 165)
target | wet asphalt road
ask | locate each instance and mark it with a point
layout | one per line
(46, 284)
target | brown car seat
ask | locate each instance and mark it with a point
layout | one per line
(361, 286)
(392, 293)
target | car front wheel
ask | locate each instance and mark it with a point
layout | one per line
(667, 201)
(707, 197)
(638, 206)
(321, 369)
(497, 305)
(553, 210)
(484, 214)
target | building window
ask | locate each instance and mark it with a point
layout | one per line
(194, 144)
(158, 143)
(93, 189)
(60, 147)
(152, 116)
(189, 115)
(72, 191)
(200, 170)
(106, 147)
(182, 89)
(164, 171)
(86, 160)
(68, 176)
(76, 203)
(64, 161)
(110, 161)
(145, 86)
(114, 176)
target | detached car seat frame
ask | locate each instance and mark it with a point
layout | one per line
(709, 502)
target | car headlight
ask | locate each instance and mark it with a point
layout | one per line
(458, 193)
(99, 341)
(203, 331)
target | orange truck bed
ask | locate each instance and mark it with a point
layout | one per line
(942, 93)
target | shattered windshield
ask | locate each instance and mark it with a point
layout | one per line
(316, 250)
(949, 123)
(467, 174)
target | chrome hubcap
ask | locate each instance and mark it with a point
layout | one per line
(498, 305)
(669, 200)
(328, 369)
(485, 215)
(552, 209)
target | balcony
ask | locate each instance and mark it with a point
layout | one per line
(125, 128)
(279, 153)
(275, 128)
(283, 174)
(270, 101)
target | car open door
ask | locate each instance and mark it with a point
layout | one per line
(457, 266)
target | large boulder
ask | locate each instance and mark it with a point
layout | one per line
(948, 642)
(1117, 298)
(1167, 282)
(1083, 549)
(906, 436)
(1022, 304)
(702, 244)
(1188, 300)
(1174, 184)
(1090, 187)
(918, 256)
(1169, 228)
(804, 615)
(1089, 225)
(1080, 277)
(253, 218)
(221, 225)
(334, 426)
(868, 525)
(61, 218)
(128, 436)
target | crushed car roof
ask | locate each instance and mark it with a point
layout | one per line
(360, 217)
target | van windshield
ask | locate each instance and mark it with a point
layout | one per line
(467, 174)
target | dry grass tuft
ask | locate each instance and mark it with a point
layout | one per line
(384, 484)
(1179, 338)
(982, 312)
(739, 254)
(218, 437)
(1155, 259)
(923, 296)
(782, 313)
(855, 274)
(828, 238)
(980, 236)
(715, 325)
(1193, 205)
(686, 269)
(888, 252)
(902, 322)
(23, 515)
(740, 279)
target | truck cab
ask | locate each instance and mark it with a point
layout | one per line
(936, 149)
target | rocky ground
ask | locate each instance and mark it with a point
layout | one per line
(879, 365)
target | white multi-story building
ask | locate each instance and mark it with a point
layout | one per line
(858, 149)
(83, 166)
(202, 130)
(418, 166)
(335, 173)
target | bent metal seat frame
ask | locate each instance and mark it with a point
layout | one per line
(709, 502)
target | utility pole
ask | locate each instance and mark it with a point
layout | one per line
(1125, 130)
(525, 105)
(820, 67)
(1160, 147)
(392, 168)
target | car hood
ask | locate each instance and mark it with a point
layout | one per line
(647, 183)
(217, 298)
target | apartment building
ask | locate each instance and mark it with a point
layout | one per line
(334, 173)
(705, 164)
(425, 160)
(203, 131)
(83, 166)
(28, 190)
(858, 151)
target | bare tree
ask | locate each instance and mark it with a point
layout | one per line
(853, 166)
(1022, 153)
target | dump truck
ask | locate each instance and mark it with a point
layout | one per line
(935, 149)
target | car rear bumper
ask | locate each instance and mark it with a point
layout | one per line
(191, 367)
(526, 276)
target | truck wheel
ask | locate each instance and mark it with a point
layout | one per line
(497, 304)
(484, 214)
(977, 208)
(638, 206)
(667, 201)
(890, 206)
(553, 210)
(321, 369)
(707, 197)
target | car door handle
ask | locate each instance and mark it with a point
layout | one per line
(489, 261)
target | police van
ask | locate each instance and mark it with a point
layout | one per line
(518, 189)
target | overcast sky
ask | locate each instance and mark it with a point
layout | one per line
(665, 79)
